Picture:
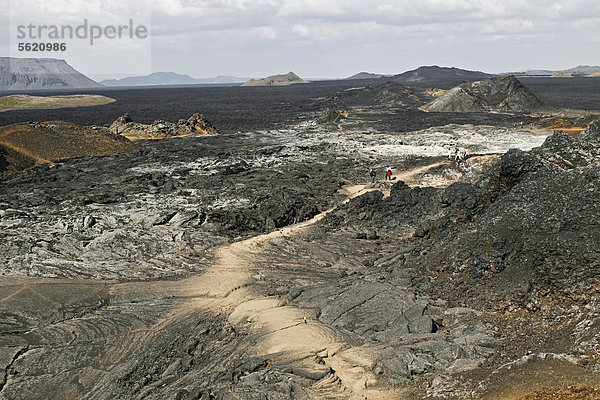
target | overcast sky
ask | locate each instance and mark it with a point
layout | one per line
(325, 38)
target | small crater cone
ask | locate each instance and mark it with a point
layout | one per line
(500, 94)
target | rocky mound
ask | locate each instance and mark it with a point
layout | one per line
(24, 145)
(40, 73)
(197, 124)
(276, 80)
(502, 94)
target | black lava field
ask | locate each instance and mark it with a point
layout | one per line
(238, 108)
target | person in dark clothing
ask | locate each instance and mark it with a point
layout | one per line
(372, 174)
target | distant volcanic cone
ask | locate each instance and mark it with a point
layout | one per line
(501, 94)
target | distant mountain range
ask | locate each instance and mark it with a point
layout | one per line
(276, 80)
(40, 73)
(169, 78)
(49, 73)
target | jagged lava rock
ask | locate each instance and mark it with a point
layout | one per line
(197, 124)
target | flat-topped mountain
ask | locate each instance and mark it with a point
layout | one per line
(442, 77)
(499, 94)
(276, 80)
(41, 73)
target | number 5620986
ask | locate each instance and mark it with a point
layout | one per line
(35, 46)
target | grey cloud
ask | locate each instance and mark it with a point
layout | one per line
(325, 37)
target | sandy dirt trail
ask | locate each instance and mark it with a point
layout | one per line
(276, 327)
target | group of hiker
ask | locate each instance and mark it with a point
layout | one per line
(455, 154)
(373, 174)
(522, 124)
(458, 154)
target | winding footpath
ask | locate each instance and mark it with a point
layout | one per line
(279, 328)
